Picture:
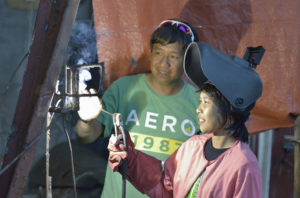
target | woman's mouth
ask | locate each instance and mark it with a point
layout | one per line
(201, 121)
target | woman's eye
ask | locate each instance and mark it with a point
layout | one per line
(204, 101)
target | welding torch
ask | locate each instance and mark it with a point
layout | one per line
(120, 134)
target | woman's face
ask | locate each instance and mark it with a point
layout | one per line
(210, 118)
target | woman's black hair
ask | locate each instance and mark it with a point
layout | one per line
(171, 34)
(236, 117)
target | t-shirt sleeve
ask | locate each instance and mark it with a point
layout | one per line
(110, 103)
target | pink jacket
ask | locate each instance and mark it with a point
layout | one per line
(235, 173)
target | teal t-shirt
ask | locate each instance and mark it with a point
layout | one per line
(157, 124)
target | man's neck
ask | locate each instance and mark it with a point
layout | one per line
(164, 89)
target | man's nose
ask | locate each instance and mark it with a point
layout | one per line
(166, 61)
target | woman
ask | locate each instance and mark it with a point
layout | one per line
(218, 163)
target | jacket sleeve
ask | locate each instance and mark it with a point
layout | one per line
(143, 171)
(249, 182)
(147, 174)
(164, 188)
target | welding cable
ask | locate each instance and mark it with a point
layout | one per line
(11, 78)
(71, 154)
(71, 151)
(17, 69)
(25, 148)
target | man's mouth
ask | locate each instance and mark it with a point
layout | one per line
(163, 73)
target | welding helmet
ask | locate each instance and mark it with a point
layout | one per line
(233, 77)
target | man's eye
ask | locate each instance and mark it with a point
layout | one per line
(157, 52)
(174, 57)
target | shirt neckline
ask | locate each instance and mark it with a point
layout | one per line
(181, 92)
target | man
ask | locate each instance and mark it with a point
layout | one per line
(158, 108)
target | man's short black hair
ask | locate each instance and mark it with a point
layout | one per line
(171, 34)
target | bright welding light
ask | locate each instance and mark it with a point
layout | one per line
(84, 75)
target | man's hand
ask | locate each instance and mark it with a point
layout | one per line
(89, 107)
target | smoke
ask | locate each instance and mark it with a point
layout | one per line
(82, 47)
(82, 50)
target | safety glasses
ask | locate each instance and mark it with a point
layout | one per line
(181, 26)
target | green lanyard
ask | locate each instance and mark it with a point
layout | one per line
(193, 191)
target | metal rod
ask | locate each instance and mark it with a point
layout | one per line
(297, 158)
(50, 116)
(107, 112)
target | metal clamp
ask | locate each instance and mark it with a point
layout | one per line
(119, 130)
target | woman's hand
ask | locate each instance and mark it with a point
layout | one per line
(117, 152)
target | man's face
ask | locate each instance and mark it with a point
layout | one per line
(166, 62)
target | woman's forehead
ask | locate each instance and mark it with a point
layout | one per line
(204, 94)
